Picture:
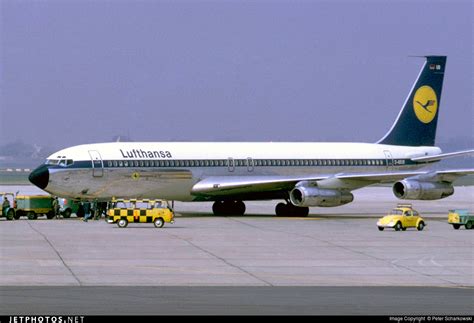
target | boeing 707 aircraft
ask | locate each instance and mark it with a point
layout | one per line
(301, 174)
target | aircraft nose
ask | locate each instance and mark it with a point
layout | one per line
(40, 176)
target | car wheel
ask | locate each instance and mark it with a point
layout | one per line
(381, 228)
(469, 225)
(398, 226)
(456, 226)
(159, 222)
(31, 215)
(67, 214)
(122, 223)
(10, 215)
(420, 226)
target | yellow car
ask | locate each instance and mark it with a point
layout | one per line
(124, 212)
(401, 218)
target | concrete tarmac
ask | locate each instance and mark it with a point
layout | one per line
(67, 265)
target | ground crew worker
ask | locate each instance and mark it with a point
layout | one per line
(56, 207)
(5, 205)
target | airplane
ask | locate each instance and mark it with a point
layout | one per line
(301, 174)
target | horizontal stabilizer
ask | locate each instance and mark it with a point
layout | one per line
(439, 157)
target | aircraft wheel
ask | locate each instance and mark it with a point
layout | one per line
(280, 209)
(381, 228)
(456, 226)
(239, 207)
(218, 208)
(303, 211)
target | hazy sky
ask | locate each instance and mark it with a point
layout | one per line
(77, 72)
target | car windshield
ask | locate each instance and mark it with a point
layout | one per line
(396, 212)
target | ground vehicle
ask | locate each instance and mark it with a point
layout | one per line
(10, 211)
(123, 212)
(401, 218)
(68, 206)
(460, 217)
(32, 205)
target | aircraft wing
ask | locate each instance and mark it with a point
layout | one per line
(238, 185)
(231, 185)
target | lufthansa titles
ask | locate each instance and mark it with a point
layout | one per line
(140, 153)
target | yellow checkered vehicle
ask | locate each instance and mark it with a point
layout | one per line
(123, 212)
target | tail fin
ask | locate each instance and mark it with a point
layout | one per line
(416, 123)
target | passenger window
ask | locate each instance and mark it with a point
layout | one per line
(125, 163)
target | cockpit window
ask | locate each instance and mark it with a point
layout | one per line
(60, 162)
(52, 161)
(65, 162)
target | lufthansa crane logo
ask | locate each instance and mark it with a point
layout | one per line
(425, 104)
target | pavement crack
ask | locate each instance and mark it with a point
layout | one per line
(224, 260)
(56, 251)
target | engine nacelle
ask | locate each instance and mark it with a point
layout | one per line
(414, 190)
(312, 196)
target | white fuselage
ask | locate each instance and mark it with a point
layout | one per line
(169, 170)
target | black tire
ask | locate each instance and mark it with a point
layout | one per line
(218, 208)
(239, 207)
(398, 226)
(80, 212)
(31, 215)
(10, 214)
(381, 228)
(122, 223)
(67, 214)
(50, 215)
(456, 226)
(159, 223)
(18, 215)
(468, 225)
(280, 209)
(420, 226)
(302, 211)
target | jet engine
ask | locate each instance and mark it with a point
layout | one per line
(415, 190)
(304, 196)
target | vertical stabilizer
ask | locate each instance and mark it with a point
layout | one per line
(418, 118)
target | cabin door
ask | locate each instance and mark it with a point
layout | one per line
(97, 163)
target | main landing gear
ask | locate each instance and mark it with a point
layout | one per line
(225, 208)
(288, 209)
(228, 208)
